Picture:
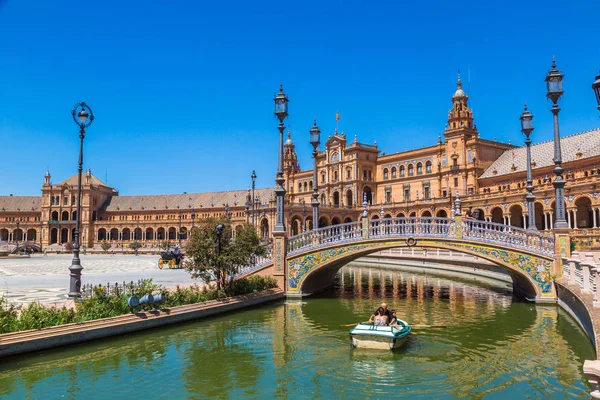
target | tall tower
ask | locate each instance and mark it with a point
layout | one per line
(460, 117)
(460, 139)
(290, 159)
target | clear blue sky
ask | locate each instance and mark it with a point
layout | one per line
(182, 91)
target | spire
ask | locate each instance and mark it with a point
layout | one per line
(289, 142)
(460, 116)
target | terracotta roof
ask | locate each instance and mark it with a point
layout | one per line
(73, 180)
(235, 198)
(586, 143)
(20, 203)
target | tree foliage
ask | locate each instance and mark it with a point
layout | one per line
(201, 251)
(105, 246)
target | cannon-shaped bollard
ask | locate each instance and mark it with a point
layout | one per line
(149, 299)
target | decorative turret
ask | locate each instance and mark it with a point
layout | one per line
(47, 178)
(290, 159)
(460, 116)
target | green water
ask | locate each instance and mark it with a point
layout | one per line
(495, 347)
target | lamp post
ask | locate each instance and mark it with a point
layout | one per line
(315, 140)
(83, 117)
(253, 183)
(227, 211)
(136, 237)
(527, 128)
(281, 111)
(219, 232)
(179, 230)
(17, 237)
(193, 218)
(554, 88)
(596, 88)
(248, 205)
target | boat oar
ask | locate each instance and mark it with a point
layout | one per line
(356, 323)
(427, 326)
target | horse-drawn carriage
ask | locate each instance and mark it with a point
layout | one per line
(171, 258)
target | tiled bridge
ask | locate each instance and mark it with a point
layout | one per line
(308, 262)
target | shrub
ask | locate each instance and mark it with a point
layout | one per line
(8, 316)
(36, 316)
(105, 246)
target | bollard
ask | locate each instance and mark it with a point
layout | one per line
(147, 299)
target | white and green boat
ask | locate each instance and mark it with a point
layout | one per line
(371, 336)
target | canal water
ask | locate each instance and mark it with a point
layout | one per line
(494, 346)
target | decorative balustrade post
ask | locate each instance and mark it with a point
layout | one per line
(365, 218)
(562, 248)
(596, 271)
(591, 368)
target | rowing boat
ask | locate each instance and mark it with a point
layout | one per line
(385, 337)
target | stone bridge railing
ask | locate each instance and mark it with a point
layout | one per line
(434, 227)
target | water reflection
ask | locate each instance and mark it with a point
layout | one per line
(494, 345)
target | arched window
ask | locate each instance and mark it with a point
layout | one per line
(411, 170)
(65, 216)
(299, 186)
(402, 171)
(305, 186)
(335, 157)
(310, 185)
(428, 167)
(393, 172)
(386, 174)
(322, 177)
(419, 169)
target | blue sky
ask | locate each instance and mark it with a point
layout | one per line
(182, 91)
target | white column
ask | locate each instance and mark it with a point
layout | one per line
(524, 221)
(551, 220)
(569, 219)
(594, 214)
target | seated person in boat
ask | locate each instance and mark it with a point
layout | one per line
(394, 320)
(379, 317)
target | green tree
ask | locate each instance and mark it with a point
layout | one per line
(105, 246)
(134, 245)
(201, 250)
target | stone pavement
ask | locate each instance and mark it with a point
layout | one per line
(23, 280)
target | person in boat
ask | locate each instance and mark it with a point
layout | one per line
(380, 317)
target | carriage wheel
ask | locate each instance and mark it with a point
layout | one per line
(160, 264)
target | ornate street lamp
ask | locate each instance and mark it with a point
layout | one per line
(253, 176)
(218, 274)
(83, 117)
(17, 237)
(281, 111)
(315, 140)
(179, 230)
(227, 212)
(527, 128)
(136, 236)
(248, 205)
(193, 218)
(554, 88)
(596, 87)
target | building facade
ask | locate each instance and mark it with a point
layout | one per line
(489, 176)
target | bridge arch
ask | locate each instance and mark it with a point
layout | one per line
(314, 258)
(322, 277)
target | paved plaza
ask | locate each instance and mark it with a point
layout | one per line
(46, 279)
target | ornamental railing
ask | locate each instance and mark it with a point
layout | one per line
(258, 262)
(341, 233)
(434, 227)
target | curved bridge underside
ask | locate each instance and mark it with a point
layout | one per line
(314, 270)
